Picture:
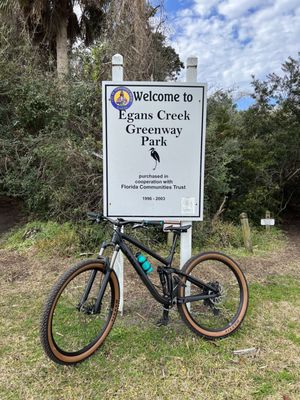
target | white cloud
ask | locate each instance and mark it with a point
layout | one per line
(238, 8)
(204, 7)
(232, 42)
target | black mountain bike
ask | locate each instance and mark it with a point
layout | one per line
(210, 292)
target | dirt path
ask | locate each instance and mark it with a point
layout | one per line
(10, 213)
(282, 261)
(292, 229)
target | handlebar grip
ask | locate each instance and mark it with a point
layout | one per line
(154, 223)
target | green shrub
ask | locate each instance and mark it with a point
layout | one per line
(225, 234)
(91, 236)
(270, 240)
(49, 132)
(48, 153)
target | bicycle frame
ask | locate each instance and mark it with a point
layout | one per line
(83, 305)
(118, 242)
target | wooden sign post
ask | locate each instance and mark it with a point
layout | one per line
(246, 232)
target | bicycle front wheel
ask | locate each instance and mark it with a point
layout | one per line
(71, 328)
(213, 316)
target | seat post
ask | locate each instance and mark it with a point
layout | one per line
(173, 248)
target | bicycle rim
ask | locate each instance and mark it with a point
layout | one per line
(219, 316)
(74, 330)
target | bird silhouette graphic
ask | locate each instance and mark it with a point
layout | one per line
(154, 155)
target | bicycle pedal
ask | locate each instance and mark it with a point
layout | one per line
(162, 322)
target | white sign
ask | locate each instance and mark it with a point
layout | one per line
(267, 221)
(153, 146)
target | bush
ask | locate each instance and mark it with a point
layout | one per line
(91, 236)
(225, 234)
(49, 132)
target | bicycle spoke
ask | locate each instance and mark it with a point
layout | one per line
(217, 312)
(76, 327)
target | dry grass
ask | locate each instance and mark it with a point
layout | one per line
(140, 361)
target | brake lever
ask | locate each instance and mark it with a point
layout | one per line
(94, 218)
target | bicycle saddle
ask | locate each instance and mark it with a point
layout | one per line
(177, 228)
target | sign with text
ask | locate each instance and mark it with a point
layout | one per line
(267, 221)
(153, 150)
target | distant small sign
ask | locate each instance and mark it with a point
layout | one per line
(267, 221)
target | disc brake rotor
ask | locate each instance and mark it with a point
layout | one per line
(218, 300)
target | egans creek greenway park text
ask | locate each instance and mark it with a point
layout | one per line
(164, 132)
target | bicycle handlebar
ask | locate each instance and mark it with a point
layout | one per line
(97, 218)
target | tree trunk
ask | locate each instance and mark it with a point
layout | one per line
(62, 50)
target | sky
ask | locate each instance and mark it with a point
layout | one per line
(234, 39)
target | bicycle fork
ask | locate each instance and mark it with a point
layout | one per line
(108, 269)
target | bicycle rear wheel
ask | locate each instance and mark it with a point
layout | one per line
(219, 316)
(71, 331)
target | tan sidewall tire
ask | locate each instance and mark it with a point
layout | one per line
(183, 310)
(46, 331)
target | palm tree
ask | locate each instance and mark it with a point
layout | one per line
(55, 26)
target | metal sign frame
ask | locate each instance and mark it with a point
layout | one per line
(197, 214)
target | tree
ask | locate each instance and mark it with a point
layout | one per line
(132, 32)
(269, 170)
(54, 25)
(48, 129)
(222, 151)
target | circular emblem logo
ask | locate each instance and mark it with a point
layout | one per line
(121, 98)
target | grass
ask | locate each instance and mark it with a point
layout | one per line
(287, 290)
(52, 239)
(46, 238)
(228, 238)
(141, 361)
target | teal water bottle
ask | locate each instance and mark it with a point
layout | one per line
(144, 263)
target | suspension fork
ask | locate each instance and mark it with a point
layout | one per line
(90, 282)
(108, 269)
(104, 283)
